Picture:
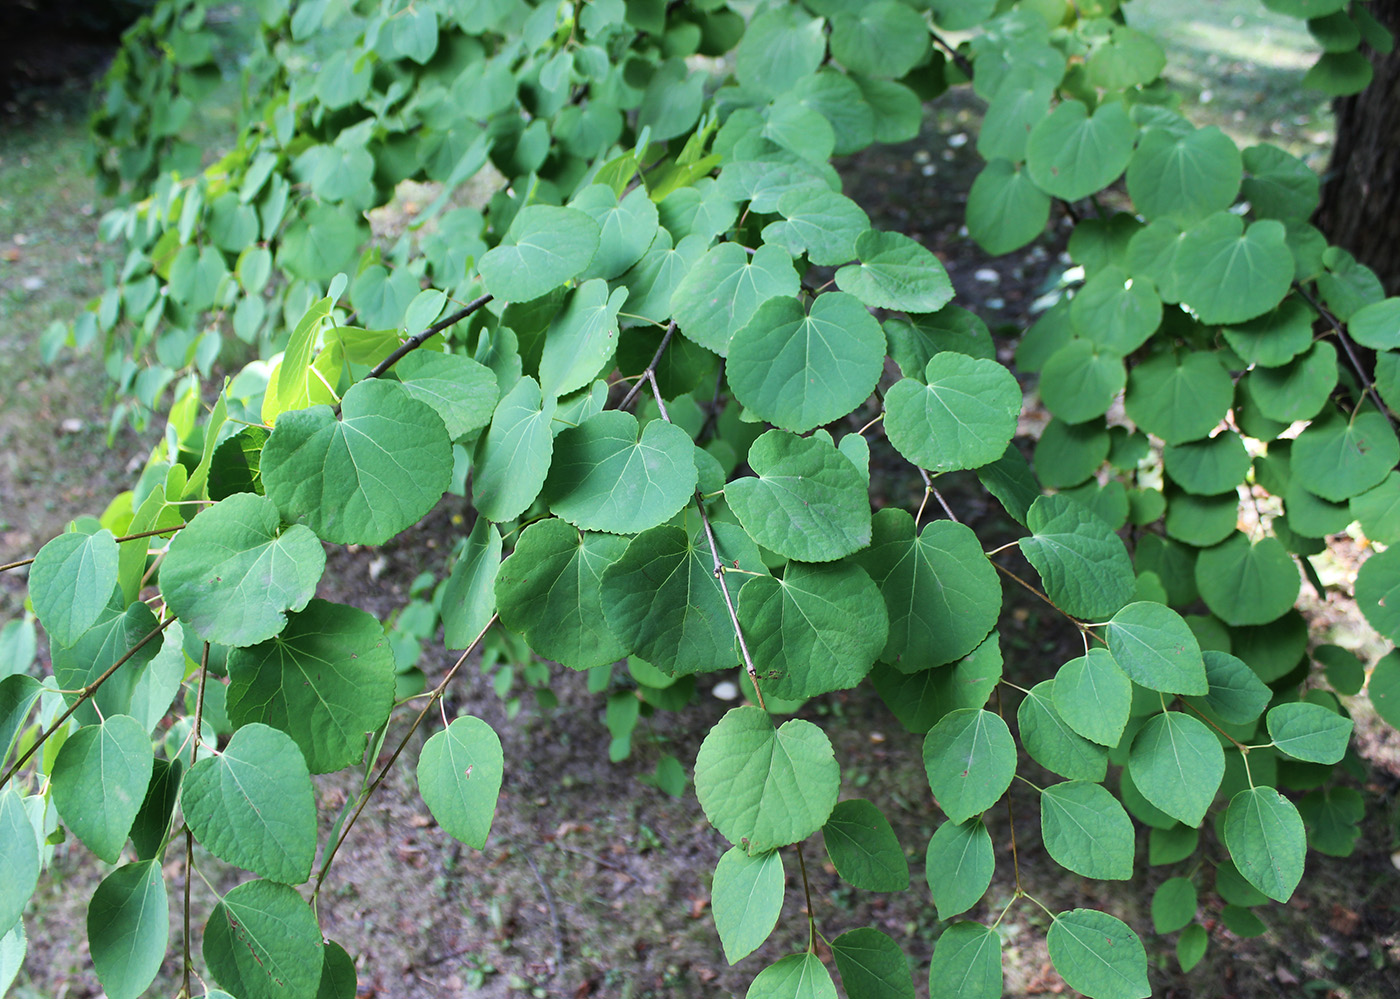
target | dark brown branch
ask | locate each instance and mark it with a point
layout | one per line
(418, 339)
(655, 360)
(959, 60)
(1367, 385)
(433, 698)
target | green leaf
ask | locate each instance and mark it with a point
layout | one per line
(1384, 687)
(1184, 177)
(462, 391)
(544, 247)
(1309, 732)
(1332, 817)
(513, 457)
(627, 228)
(1339, 74)
(806, 500)
(746, 900)
(959, 866)
(872, 965)
(1116, 311)
(1264, 834)
(128, 925)
(1022, 98)
(322, 243)
(821, 223)
(117, 631)
(1210, 466)
(884, 39)
(1236, 694)
(653, 281)
(721, 292)
(1080, 380)
(763, 787)
(1072, 155)
(1084, 565)
(459, 776)
(1227, 273)
(327, 681)
(19, 858)
(1005, 210)
(99, 781)
(71, 581)
(662, 600)
(262, 942)
(921, 698)
(895, 273)
(1177, 764)
(966, 963)
(1191, 946)
(365, 477)
(1280, 185)
(864, 848)
(800, 370)
(1054, 744)
(253, 805)
(1093, 696)
(942, 594)
(970, 759)
(550, 591)
(606, 476)
(148, 831)
(233, 573)
(1155, 647)
(1299, 389)
(1179, 401)
(797, 976)
(1173, 905)
(1244, 582)
(1068, 456)
(962, 417)
(1086, 830)
(581, 338)
(1011, 481)
(1339, 458)
(913, 342)
(1125, 59)
(816, 630)
(1377, 325)
(469, 596)
(17, 695)
(1098, 955)
(780, 47)
(1276, 337)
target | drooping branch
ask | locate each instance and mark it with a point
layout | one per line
(128, 537)
(718, 562)
(418, 339)
(433, 699)
(1367, 385)
(85, 695)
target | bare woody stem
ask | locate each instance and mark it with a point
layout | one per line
(1367, 385)
(807, 894)
(433, 699)
(85, 695)
(418, 339)
(651, 367)
(189, 834)
(129, 537)
(718, 563)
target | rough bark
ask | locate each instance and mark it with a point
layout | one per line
(1360, 208)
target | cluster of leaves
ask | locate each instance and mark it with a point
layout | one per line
(672, 223)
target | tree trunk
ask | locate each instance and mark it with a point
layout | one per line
(1360, 208)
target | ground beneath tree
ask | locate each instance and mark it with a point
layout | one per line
(592, 882)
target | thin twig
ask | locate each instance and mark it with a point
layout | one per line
(1367, 386)
(959, 60)
(807, 893)
(438, 691)
(418, 339)
(189, 835)
(130, 537)
(1011, 821)
(655, 360)
(718, 564)
(85, 695)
